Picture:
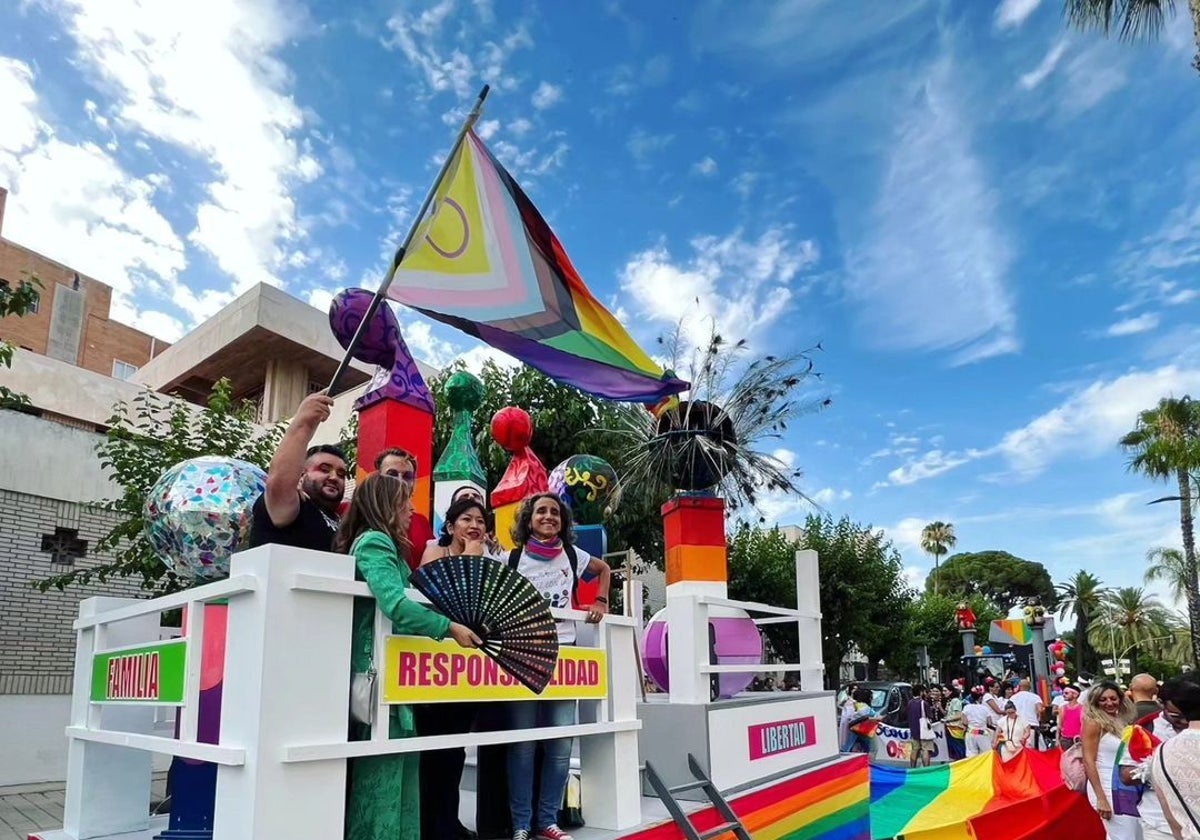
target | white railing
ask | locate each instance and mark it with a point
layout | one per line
(283, 744)
(689, 608)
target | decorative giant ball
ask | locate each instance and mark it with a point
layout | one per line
(512, 428)
(464, 391)
(198, 514)
(586, 484)
(737, 642)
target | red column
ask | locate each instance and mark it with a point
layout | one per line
(389, 423)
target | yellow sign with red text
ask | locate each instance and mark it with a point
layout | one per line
(420, 670)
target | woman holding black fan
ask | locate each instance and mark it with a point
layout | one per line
(384, 802)
(464, 533)
(547, 557)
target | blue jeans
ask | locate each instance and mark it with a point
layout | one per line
(527, 714)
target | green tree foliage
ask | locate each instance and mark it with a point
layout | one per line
(933, 625)
(1004, 580)
(566, 422)
(1130, 619)
(937, 538)
(1081, 597)
(146, 436)
(863, 594)
(1165, 445)
(16, 301)
(1130, 20)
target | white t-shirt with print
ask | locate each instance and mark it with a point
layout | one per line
(552, 578)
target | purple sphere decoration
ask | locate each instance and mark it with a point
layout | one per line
(738, 643)
(382, 345)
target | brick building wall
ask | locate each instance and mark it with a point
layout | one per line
(101, 341)
(37, 643)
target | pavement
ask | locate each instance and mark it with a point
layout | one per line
(27, 808)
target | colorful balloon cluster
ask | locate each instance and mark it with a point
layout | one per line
(983, 650)
(1059, 650)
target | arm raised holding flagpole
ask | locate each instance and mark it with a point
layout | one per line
(467, 125)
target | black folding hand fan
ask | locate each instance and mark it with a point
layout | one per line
(502, 607)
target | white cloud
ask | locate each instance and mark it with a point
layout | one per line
(741, 285)
(1091, 76)
(320, 299)
(520, 127)
(445, 63)
(487, 129)
(75, 203)
(1012, 13)
(933, 241)
(744, 183)
(236, 115)
(627, 79)
(828, 495)
(546, 96)
(706, 167)
(1132, 326)
(1039, 74)
(1092, 420)
(930, 464)
(642, 145)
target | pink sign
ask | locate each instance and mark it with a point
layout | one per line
(768, 739)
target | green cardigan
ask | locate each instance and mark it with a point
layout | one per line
(377, 563)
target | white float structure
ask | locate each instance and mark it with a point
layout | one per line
(283, 744)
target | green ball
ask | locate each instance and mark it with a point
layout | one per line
(464, 391)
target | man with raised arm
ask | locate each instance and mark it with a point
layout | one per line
(305, 485)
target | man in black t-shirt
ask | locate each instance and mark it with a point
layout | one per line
(305, 485)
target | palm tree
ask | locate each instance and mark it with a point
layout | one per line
(1129, 618)
(1165, 444)
(1131, 19)
(1082, 597)
(937, 538)
(1169, 566)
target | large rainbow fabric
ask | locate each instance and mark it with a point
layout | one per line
(829, 803)
(981, 798)
(485, 261)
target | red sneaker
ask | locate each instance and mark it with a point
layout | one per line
(553, 832)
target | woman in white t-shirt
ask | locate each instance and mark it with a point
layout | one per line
(1012, 733)
(978, 736)
(544, 534)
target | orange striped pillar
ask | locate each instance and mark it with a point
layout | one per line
(694, 534)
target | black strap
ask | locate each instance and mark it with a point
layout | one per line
(1162, 762)
(514, 559)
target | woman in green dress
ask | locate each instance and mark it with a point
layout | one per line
(384, 799)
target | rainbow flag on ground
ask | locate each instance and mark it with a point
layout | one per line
(484, 261)
(981, 798)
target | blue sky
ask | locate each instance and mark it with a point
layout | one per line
(992, 224)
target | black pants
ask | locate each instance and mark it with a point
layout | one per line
(441, 770)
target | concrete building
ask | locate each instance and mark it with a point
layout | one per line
(75, 364)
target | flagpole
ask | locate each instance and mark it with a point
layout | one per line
(472, 117)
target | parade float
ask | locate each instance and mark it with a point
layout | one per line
(258, 681)
(256, 687)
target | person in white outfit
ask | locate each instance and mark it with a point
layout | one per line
(1175, 767)
(1105, 716)
(975, 716)
(1165, 726)
(1029, 709)
(1013, 733)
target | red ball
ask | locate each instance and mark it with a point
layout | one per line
(512, 428)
